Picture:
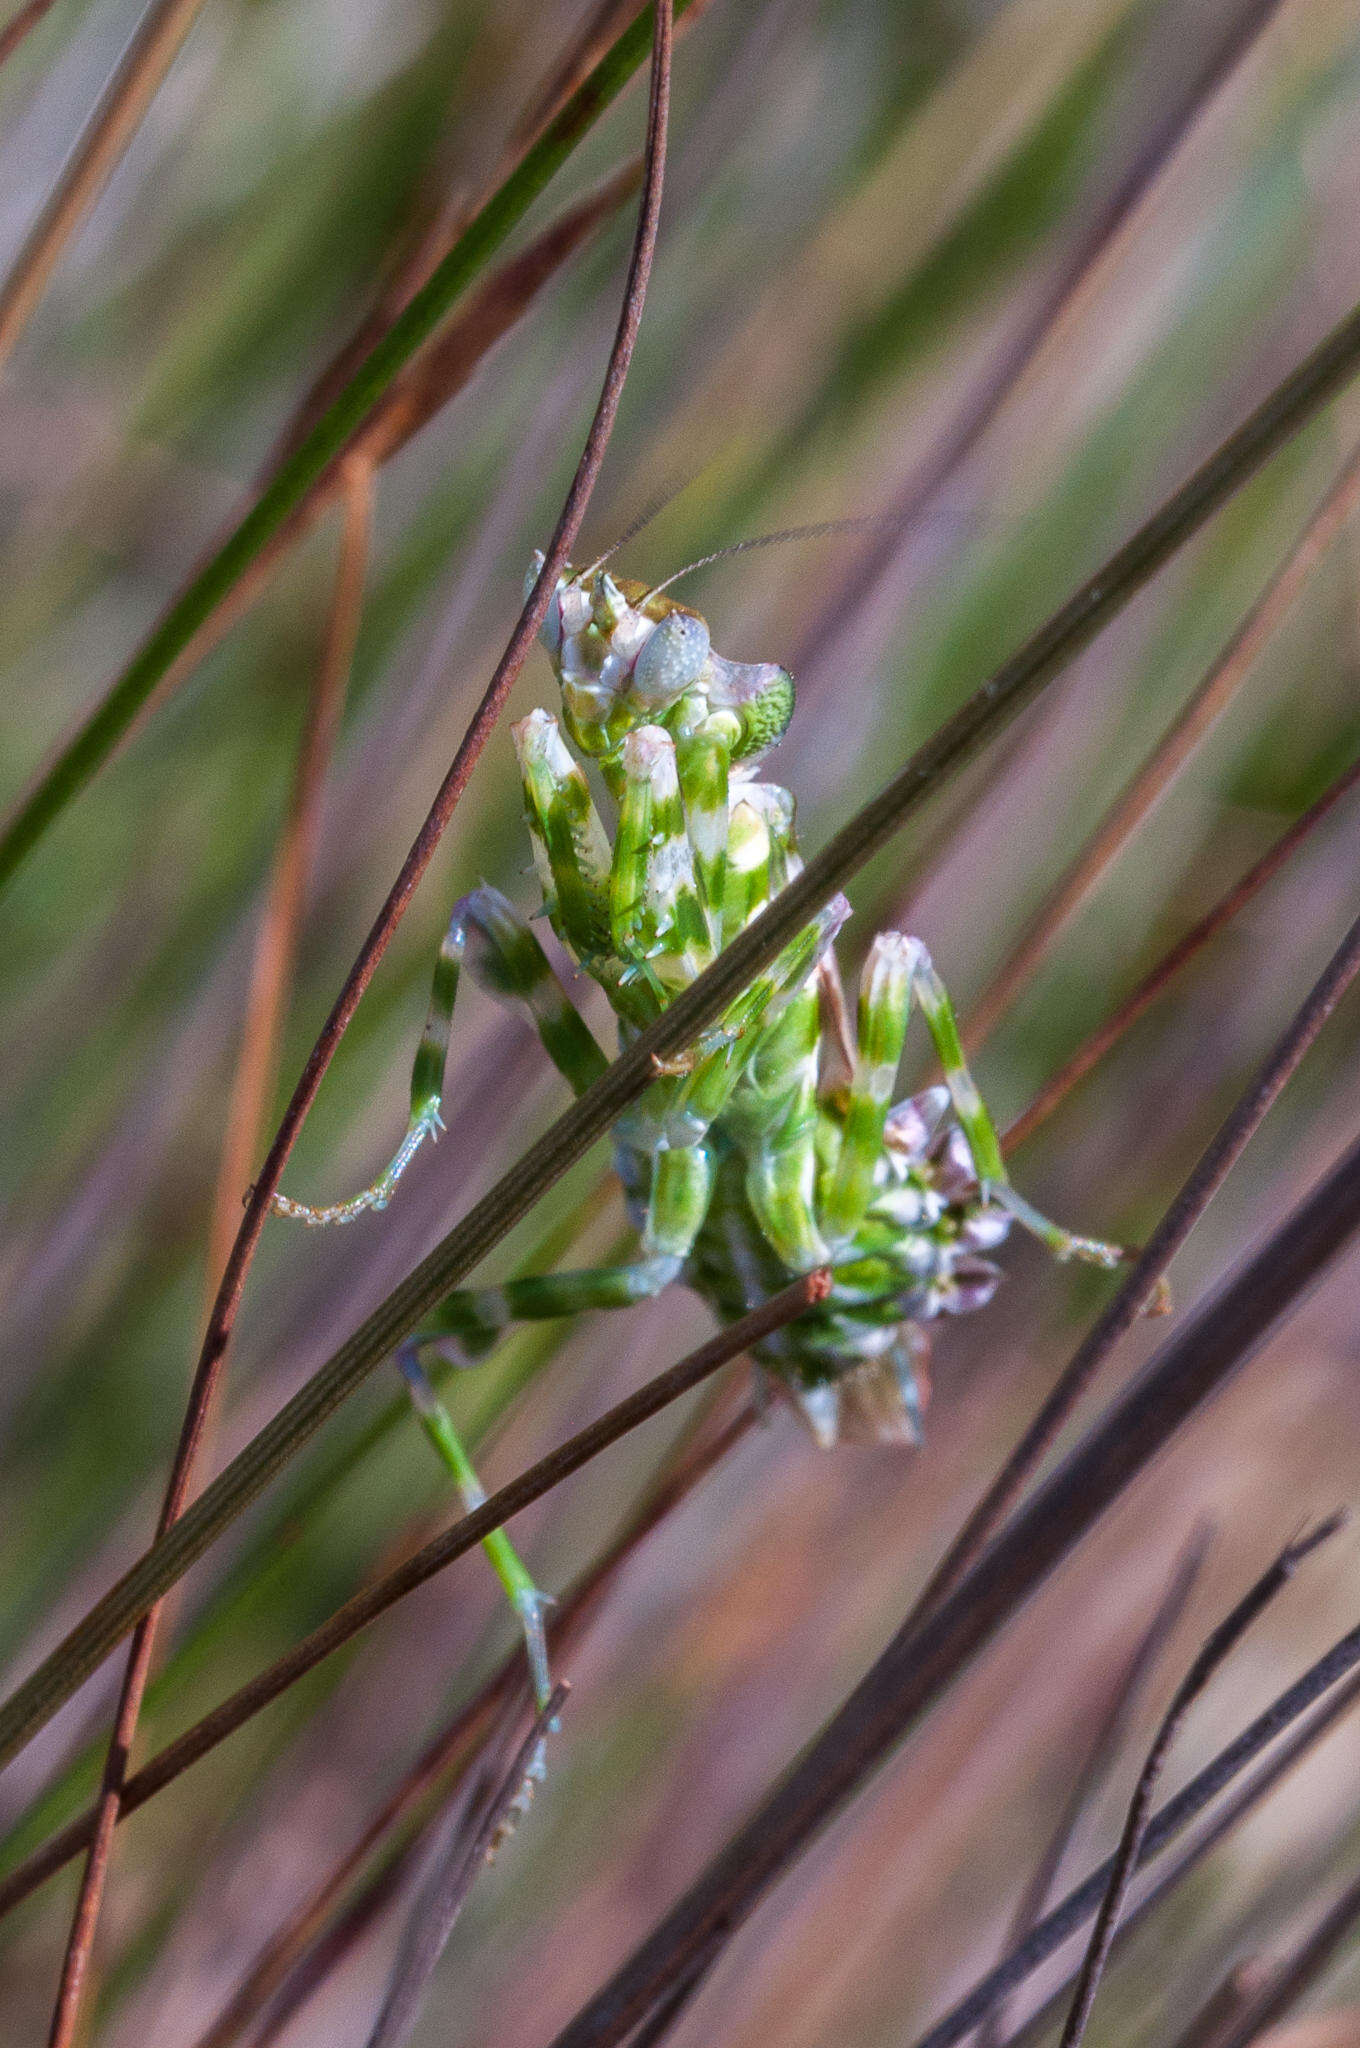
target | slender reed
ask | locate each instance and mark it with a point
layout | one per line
(922, 1660)
(1196, 716)
(1214, 920)
(1219, 1645)
(140, 74)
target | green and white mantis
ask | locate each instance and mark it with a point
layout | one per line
(774, 1147)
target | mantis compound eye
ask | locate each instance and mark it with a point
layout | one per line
(672, 659)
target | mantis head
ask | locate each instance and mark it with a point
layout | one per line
(626, 656)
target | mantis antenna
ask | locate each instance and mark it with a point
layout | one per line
(652, 510)
(818, 531)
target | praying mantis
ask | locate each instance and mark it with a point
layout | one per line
(773, 1146)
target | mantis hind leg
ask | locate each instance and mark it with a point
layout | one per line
(976, 1123)
(682, 1185)
(523, 1595)
(898, 970)
(487, 935)
(526, 1601)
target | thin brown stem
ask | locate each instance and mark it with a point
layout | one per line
(1104, 1748)
(366, 1606)
(1215, 920)
(266, 1002)
(92, 163)
(1218, 1646)
(1216, 691)
(271, 977)
(1058, 1926)
(1244, 1801)
(567, 1622)
(222, 1316)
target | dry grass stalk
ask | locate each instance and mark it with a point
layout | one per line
(271, 976)
(222, 1315)
(92, 163)
(1191, 724)
(1215, 920)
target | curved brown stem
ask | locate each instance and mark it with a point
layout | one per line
(221, 1320)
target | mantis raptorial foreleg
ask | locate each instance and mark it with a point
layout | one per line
(781, 1159)
(487, 935)
(658, 919)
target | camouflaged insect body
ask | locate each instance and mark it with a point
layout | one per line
(773, 1147)
(909, 1245)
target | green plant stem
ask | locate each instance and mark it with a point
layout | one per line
(95, 740)
(1017, 683)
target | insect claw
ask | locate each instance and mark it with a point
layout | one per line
(678, 1064)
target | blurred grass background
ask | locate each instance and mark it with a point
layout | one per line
(864, 200)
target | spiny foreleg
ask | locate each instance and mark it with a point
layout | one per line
(657, 916)
(488, 936)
